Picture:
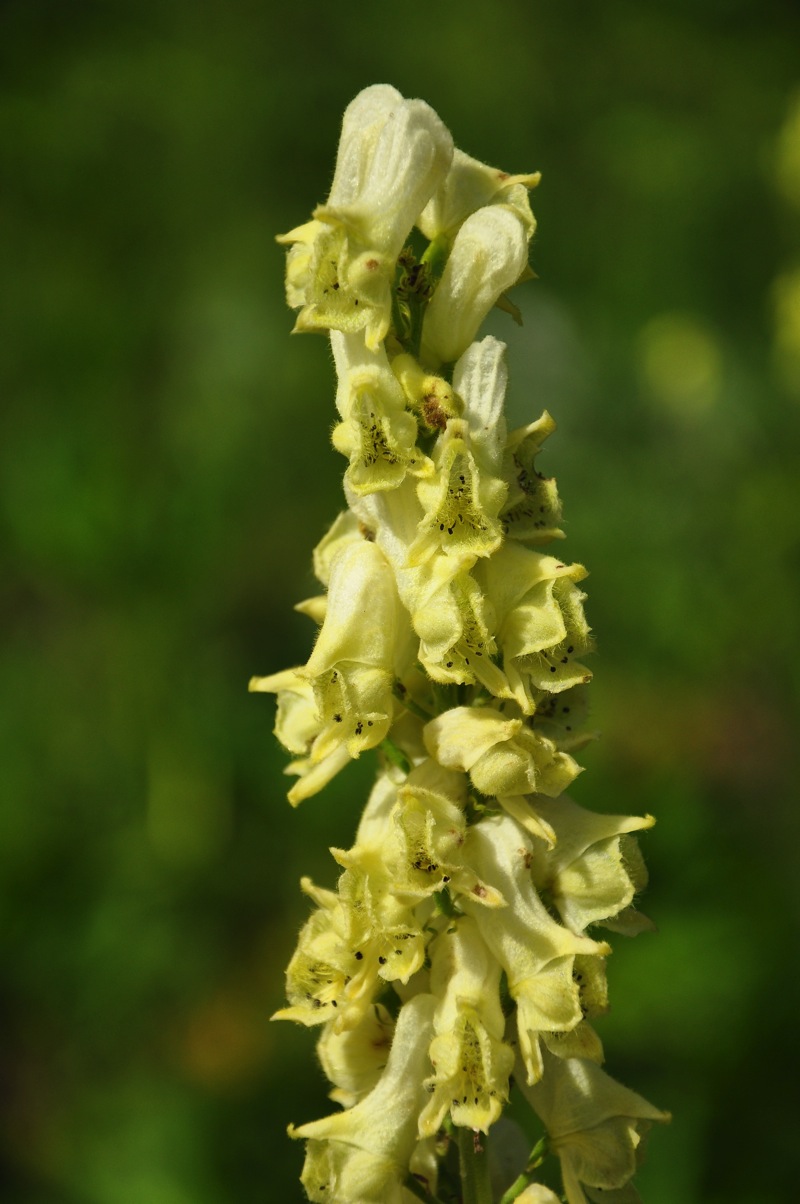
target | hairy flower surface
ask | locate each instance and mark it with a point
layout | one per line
(456, 950)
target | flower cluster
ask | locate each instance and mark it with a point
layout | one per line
(455, 951)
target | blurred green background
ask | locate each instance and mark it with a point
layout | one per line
(166, 471)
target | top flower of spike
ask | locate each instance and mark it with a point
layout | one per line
(395, 167)
(393, 153)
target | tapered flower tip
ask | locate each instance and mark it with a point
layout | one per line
(533, 509)
(314, 776)
(488, 257)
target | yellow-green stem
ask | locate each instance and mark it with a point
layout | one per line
(473, 1161)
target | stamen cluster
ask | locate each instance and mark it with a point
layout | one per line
(455, 951)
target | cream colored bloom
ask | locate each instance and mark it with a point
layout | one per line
(351, 667)
(541, 627)
(377, 433)
(384, 931)
(456, 641)
(536, 953)
(460, 502)
(392, 155)
(502, 756)
(363, 1154)
(324, 971)
(360, 937)
(480, 379)
(345, 529)
(594, 1124)
(593, 872)
(446, 611)
(432, 396)
(489, 255)
(471, 1061)
(423, 848)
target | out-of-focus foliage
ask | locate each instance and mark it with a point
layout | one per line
(166, 470)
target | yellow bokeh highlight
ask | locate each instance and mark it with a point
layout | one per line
(680, 364)
(786, 344)
(787, 154)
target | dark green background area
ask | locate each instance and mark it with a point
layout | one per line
(167, 469)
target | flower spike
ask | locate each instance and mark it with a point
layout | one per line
(460, 937)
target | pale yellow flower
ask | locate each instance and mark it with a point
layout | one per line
(354, 1059)
(593, 872)
(377, 433)
(363, 1154)
(471, 1061)
(351, 667)
(535, 951)
(503, 756)
(594, 1124)
(541, 627)
(392, 155)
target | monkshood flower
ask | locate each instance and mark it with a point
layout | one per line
(455, 949)
(536, 953)
(594, 867)
(595, 1125)
(361, 1155)
(393, 154)
(471, 1061)
(377, 433)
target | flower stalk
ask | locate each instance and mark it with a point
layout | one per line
(473, 1162)
(459, 949)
